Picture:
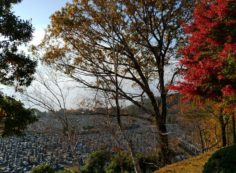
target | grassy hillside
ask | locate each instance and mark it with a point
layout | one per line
(192, 165)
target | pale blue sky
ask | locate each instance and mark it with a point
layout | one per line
(38, 11)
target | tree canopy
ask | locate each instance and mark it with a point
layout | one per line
(120, 44)
(14, 118)
(209, 59)
(16, 69)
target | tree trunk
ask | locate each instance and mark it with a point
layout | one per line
(164, 148)
(227, 135)
(135, 161)
(164, 143)
(223, 129)
(201, 138)
(233, 129)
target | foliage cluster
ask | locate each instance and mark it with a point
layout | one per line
(43, 168)
(209, 58)
(223, 161)
(16, 69)
(46, 168)
(96, 162)
(106, 162)
(14, 116)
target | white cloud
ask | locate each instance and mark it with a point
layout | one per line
(38, 36)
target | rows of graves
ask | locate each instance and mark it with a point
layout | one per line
(20, 154)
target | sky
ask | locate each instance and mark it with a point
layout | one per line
(39, 12)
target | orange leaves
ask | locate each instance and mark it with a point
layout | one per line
(78, 60)
(97, 35)
(54, 53)
(75, 1)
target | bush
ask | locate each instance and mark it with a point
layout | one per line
(43, 168)
(64, 171)
(46, 168)
(120, 162)
(69, 170)
(222, 161)
(96, 162)
(106, 162)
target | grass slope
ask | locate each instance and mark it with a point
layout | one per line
(191, 165)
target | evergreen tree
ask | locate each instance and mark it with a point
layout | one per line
(16, 69)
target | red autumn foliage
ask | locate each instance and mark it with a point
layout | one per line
(209, 59)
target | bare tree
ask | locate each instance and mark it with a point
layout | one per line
(50, 92)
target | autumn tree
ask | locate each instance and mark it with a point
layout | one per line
(209, 59)
(199, 123)
(86, 37)
(16, 69)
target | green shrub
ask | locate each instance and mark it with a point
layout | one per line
(68, 170)
(106, 162)
(222, 161)
(96, 162)
(43, 168)
(120, 162)
(63, 171)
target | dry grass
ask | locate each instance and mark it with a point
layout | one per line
(73, 169)
(192, 165)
